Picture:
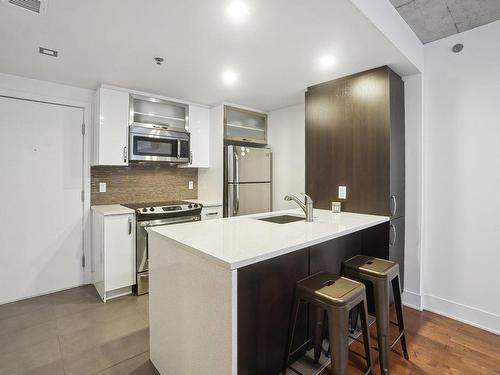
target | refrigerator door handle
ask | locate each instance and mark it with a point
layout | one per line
(236, 168)
(237, 198)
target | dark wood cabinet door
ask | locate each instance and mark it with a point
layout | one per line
(327, 154)
(397, 245)
(397, 169)
(348, 142)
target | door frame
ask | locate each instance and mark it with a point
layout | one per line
(60, 97)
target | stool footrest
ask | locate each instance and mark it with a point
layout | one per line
(397, 339)
(300, 347)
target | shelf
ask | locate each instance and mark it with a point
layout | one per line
(159, 116)
(245, 127)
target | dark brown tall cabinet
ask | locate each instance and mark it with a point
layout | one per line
(355, 137)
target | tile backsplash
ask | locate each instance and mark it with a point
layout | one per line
(142, 183)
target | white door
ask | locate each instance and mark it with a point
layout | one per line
(40, 191)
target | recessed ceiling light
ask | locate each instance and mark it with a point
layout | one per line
(48, 52)
(229, 77)
(237, 10)
(327, 61)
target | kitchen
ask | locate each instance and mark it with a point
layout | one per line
(170, 178)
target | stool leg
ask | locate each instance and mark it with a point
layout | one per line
(338, 324)
(293, 323)
(381, 293)
(318, 333)
(399, 312)
(366, 334)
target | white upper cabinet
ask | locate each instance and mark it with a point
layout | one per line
(111, 127)
(199, 127)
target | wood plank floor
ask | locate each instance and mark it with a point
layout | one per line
(72, 332)
(436, 345)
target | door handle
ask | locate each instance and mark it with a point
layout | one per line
(236, 168)
(394, 236)
(129, 225)
(178, 149)
(125, 155)
(394, 206)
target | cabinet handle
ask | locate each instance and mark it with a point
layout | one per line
(125, 155)
(394, 207)
(211, 213)
(394, 236)
(129, 225)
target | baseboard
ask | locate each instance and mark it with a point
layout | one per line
(412, 300)
(466, 314)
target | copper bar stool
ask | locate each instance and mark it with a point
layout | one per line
(337, 296)
(381, 274)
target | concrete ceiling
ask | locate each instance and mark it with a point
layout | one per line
(435, 19)
(276, 51)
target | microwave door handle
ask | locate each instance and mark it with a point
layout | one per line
(178, 149)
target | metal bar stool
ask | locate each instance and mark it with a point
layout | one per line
(337, 296)
(381, 274)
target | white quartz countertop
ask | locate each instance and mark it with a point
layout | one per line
(239, 241)
(112, 209)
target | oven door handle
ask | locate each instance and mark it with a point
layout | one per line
(150, 224)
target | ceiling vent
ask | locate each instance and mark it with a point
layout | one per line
(37, 6)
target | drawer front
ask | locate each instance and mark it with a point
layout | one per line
(210, 213)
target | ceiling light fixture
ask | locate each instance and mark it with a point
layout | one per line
(229, 77)
(48, 52)
(327, 61)
(237, 10)
(159, 60)
(458, 48)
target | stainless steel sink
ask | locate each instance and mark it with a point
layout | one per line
(282, 219)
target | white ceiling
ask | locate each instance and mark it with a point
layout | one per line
(275, 51)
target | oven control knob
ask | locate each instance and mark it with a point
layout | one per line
(152, 209)
(196, 205)
(144, 210)
(190, 206)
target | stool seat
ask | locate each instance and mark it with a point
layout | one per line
(372, 266)
(331, 289)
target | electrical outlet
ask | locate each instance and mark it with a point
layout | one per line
(342, 192)
(191, 185)
(102, 187)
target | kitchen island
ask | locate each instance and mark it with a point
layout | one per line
(221, 291)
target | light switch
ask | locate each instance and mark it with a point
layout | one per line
(102, 187)
(191, 185)
(342, 192)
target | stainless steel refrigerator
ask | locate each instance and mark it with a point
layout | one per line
(247, 180)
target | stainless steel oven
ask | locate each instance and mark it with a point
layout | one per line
(149, 142)
(151, 215)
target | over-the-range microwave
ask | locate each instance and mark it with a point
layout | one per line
(158, 143)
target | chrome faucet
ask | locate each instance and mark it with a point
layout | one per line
(307, 206)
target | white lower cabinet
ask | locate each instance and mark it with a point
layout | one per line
(113, 247)
(211, 212)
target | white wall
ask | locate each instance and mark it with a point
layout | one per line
(32, 89)
(287, 140)
(413, 189)
(462, 177)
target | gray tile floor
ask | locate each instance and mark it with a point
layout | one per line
(73, 332)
